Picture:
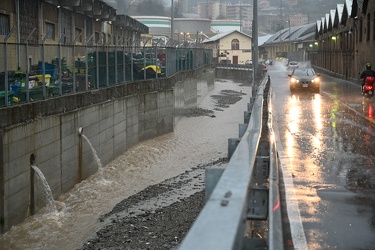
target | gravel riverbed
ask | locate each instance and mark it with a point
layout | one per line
(159, 216)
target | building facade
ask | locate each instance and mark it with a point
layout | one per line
(292, 42)
(346, 38)
(298, 19)
(232, 47)
(242, 12)
(66, 22)
(211, 9)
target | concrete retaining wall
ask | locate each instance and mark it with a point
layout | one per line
(234, 74)
(113, 119)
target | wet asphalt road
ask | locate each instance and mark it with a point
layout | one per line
(326, 144)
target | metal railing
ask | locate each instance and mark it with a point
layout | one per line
(235, 66)
(246, 191)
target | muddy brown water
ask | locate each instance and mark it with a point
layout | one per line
(199, 138)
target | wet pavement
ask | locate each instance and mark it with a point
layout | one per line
(326, 145)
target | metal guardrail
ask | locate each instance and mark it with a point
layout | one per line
(235, 66)
(239, 196)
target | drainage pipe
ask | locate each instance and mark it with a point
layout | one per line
(80, 151)
(32, 186)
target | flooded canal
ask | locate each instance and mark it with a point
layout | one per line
(200, 139)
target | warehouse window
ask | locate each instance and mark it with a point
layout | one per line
(235, 44)
(360, 30)
(4, 25)
(50, 31)
(78, 35)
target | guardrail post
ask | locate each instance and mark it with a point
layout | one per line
(258, 203)
(242, 130)
(212, 176)
(246, 115)
(232, 145)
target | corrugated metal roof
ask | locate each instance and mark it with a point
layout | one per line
(349, 5)
(318, 25)
(327, 21)
(263, 39)
(333, 12)
(297, 33)
(340, 11)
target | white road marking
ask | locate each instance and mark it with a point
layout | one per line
(294, 215)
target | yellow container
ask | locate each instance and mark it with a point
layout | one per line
(47, 78)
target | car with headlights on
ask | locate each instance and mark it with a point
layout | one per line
(304, 78)
(291, 66)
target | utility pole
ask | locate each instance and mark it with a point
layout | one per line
(255, 36)
(240, 16)
(281, 12)
(172, 15)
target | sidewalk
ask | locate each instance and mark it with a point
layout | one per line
(349, 94)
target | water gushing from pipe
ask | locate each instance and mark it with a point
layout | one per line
(47, 193)
(97, 160)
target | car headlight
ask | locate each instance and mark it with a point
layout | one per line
(316, 79)
(293, 80)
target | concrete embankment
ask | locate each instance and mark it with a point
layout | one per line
(46, 133)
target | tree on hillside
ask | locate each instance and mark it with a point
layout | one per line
(151, 8)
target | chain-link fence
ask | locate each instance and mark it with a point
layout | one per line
(36, 72)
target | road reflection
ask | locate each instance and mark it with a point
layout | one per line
(328, 150)
(303, 136)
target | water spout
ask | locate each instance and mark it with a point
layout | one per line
(47, 193)
(97, 160)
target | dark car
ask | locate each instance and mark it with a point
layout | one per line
(304, 78)
(291, 66)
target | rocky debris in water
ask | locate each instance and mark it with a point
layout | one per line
(227, 98)
(153, 228)
(163, 229)
(224, 100)
(194, 112)
(247, 82)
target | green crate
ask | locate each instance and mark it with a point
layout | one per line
(2, 97)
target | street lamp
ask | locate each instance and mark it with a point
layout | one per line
(288, 21)
(184, 36)
(172, 16)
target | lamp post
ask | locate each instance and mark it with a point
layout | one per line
(172, 16)
(184, 37)
(289, 46)
(255, 37)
